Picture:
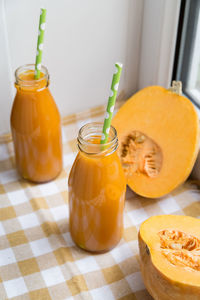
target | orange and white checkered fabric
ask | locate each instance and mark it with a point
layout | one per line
(38, 259)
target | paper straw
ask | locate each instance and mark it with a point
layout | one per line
(40, 41)
(111, 103)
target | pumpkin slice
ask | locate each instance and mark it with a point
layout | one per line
(158, 132)
(170, 257)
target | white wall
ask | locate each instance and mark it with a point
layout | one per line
(83, 40)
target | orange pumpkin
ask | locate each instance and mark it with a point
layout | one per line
(169, 257)
(158, 132)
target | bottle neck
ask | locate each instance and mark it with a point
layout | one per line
(24, 78)
(89, 137)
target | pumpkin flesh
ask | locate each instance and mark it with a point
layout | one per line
(170, 257)
(170, 123)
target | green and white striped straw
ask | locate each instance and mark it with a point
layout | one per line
(40, 41)
(111, 103)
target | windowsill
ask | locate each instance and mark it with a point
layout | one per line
(194, 96)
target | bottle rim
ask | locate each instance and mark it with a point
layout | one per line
(93, 131)
(30, 67)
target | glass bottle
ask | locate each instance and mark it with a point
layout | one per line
(96, 191)
(35, 126)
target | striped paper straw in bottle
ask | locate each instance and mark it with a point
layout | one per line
(111, 103)
(40, 41)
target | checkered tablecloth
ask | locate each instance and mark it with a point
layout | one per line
(38, 259)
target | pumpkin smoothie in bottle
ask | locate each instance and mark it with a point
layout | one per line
(97, 183)
(96, 191)
(36, 127)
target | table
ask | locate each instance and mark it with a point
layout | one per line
(38, 259)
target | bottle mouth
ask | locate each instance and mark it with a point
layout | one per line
(89, 137)
(29, 69)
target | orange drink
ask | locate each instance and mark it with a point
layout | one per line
(96, 191)
(36, 127)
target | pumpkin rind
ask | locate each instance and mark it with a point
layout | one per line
(171, 122)
(164, 280)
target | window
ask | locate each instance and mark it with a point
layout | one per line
(187, 57)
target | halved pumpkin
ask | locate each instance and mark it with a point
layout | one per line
(158, 132)
(170, 257)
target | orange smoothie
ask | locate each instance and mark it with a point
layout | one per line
(36, 127)
(96, 198)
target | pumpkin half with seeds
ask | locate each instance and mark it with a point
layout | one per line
(170, 257)
(158, 132)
